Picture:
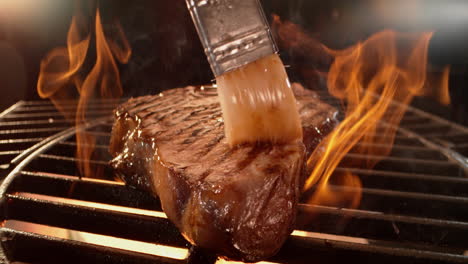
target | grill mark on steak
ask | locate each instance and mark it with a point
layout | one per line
(205, 174)
(144, 106)
(194, 114)
(211, 145)
(240, 201)
(187, 128)
(163, 107)
(199, 135)
(226, 155)
(197, 131)
(188, 141)
(207, 111)
(271, 169)
(143, 103)
(163, 116)
(252, 154)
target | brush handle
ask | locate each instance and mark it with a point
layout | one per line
(233, 32)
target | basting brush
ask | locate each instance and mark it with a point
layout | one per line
(256, 98)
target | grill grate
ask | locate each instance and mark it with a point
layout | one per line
(413, 209)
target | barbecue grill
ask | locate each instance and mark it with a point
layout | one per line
(413, 207)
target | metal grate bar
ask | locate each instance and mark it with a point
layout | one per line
(434, 118)
(397, 146)
(409, 165)
(53, 250)
(305, 244)
(405, 203)
(87, 189)
(410, 182)
(416, 176)
(69, 108)
(91, 102)
(11, 109)
(11, 152)
(74, 160)
(428, 126)
(95, 220)
(29, 123)
(413, 120)
(32, 130)
(400, 159)
(32, 134)
(73, 144)
(21, 140)
(407, 195)
(402, 230)
(452, 139)
(375, 215)
(54, 114)
(67, 167)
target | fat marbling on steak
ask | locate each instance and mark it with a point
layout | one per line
(239, 202)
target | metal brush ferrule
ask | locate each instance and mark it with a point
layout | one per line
(233, 32)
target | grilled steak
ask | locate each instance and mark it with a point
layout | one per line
(239, 202)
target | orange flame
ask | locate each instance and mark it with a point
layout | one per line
(59, 69)
(61, 78)
(443, 91)
(375, 80)
(328, 196)
(437, 86)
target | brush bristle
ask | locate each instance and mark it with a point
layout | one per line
(258, 104)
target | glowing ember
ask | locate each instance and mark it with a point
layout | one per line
(258, 103)
(62, 81)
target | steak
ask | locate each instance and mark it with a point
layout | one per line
(239, 202)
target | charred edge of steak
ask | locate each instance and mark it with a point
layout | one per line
(240, 202)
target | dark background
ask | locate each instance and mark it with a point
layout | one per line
(167, 52)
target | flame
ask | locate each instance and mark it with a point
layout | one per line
(437, 86)
(443, 91)
(61, 77)
(60, 67)
(375, 80)
(348, 198)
